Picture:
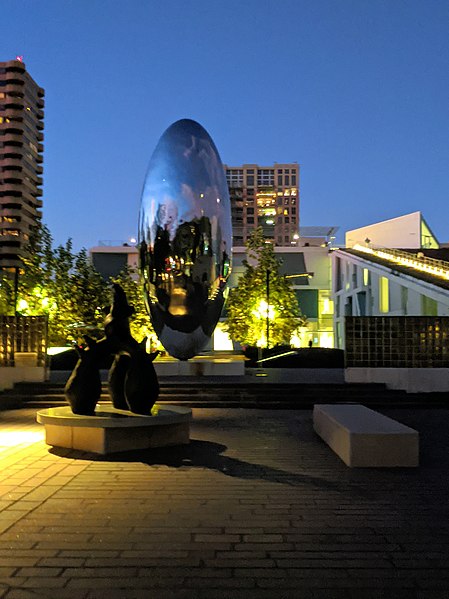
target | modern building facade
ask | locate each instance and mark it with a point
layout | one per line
(111, 260)
(266, 196)
(21, 149)
(407, 231)
(309, 271)
(389, 282)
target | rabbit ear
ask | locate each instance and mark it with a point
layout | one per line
(154, 355)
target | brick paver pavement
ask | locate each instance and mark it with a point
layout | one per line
(256, 507)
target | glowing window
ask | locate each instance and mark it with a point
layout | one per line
(384, 295)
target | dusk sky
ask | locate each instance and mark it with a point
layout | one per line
(356, 91)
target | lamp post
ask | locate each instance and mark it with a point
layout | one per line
(268, 308)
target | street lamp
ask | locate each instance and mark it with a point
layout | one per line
(268, 308)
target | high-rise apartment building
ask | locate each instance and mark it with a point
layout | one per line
(266, 196)
(21, 148)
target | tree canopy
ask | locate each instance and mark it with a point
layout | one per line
(262, 291)
(65, 285)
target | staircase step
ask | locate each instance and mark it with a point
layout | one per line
(207, 393)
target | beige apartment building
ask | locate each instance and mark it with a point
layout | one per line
(266, 196)
(21, 148)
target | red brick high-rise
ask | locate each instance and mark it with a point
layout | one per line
(21, 148)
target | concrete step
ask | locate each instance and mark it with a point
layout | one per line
(197, 394)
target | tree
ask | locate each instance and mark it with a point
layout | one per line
(89, 295)
(63, 285)
(247, 305)
(6, 293)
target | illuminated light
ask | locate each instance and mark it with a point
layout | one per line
(222, 340)
(262, 309)
(177, 302)
(54, 351)
(431, 266)
(384, 295)
(295, 236)
(13, 438)
(133, 240)
(201, 195)
(289, 353)
(19, 58)
(365, 276)
(269, 221)
(218, 200)
(22, 305)
(327, 340)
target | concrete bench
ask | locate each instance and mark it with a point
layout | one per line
(364, 438)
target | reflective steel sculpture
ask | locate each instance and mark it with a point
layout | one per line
(185, 238)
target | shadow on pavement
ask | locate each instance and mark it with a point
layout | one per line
(209, 455)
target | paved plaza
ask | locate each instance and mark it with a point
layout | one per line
(256, 507)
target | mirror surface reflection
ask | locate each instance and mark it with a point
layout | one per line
(185, 238)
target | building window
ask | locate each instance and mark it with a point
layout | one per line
(384, 295)
(250, 180)
(250, 220)
(293, 179)
(280, 180)
(365, 277)
(287, 179)
(429, 307)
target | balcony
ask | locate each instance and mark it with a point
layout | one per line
(11, 240)
(10, 203)
(15, 66)
(10, 129)
(11, 162)
(13, 213)
(12, 113)
(5, 188)
(14, 88)
(14, 103)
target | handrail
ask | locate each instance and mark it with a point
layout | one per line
(419, 262)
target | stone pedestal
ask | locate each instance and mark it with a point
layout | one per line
(112, 430)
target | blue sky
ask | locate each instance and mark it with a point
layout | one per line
(356, 91)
